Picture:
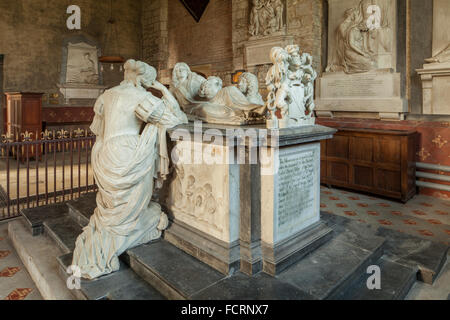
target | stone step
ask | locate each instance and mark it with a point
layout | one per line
(123, 284)
(426, 255)
(81, 209)
(332, 268)
(64, 231)
(35, 217)
(177, 275)
(396, 280)
(38, 255)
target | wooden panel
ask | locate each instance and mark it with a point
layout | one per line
(323, 148)
(361, 148)
(388, 180)
(338, 147)
(323, 168)
(338, 171)
(32, 112)
(388, 150)
(363, 176)
(371, 160)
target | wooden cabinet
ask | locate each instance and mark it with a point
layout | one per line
(23, 113)
(380, 162)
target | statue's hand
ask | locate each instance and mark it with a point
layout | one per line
(158, 86)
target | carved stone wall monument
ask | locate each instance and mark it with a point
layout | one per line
(267, 28)
(361, 73)
(80, 73)
(435, 74)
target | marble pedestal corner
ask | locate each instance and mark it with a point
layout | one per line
(290, 198)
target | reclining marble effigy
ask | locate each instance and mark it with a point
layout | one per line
(206, 99)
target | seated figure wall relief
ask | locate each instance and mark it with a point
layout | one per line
(363, 40)
(206, 99)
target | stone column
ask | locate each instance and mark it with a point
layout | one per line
(441, 25)
(250, 217)
(155, 35)
(435, 74)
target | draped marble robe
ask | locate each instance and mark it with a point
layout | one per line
(126, 167)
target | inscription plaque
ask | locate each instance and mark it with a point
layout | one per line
(296, 183)
(367, 85)
(291, 197)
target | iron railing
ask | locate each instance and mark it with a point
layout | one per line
(41, 168)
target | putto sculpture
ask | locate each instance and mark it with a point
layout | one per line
(206, 99)
(128, 166)
(266, 17)
(290, 82)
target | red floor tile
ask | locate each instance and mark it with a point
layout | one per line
(9, 272)
(4, 253)
(19, 294)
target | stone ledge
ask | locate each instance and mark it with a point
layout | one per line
(38, 254)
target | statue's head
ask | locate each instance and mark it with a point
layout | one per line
(210, 87)
(139, 73)
(364, 6)
(148, 76)
(295, 59)
(278, 55)
(180, 73)
(208, 188)
(191, 181)
(248, 83)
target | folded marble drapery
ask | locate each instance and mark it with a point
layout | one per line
(125, 168)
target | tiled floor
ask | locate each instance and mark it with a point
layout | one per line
(422, 216)
(15, 282)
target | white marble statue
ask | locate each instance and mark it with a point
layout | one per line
(266, 17)
(290, 82)
(206, 99)
(248, 84)
(225, 105)
(361, 42)
(186, 84)
(127, 166)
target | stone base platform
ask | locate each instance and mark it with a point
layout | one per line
(217, 254)
(279, 257)
(160, 270)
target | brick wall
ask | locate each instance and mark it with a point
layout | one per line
(305, 23)
(154, 21)
(32, 34)
(205, 42)
(171, 35)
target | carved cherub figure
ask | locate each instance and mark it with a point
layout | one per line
(276, 82)
(290, 82)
